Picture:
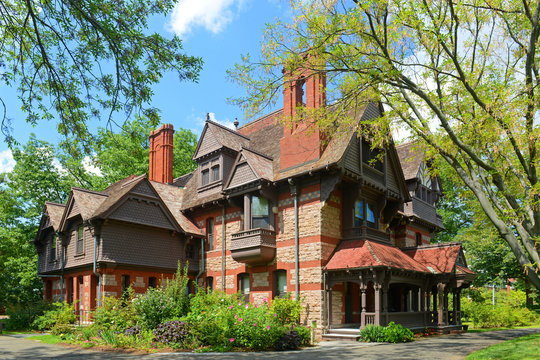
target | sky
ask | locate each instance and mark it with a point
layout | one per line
(219, 31)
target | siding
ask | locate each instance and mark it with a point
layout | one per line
(137, 245)
(242, 174)
(144, 189)
(74, 210)
(391, 178)
(351, 159)
(209, 143)
(72, 259)
(142, 212)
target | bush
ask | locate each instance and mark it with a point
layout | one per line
(290, 340)
(172, 333)
(62, 330)
(396, 333)
(115, 314)
(286, 310)
(22, 318)
(60, 314)
(372, 333)
(305, 335)
(154, 307)
(176, 291)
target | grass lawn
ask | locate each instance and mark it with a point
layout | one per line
(47, 339)
(523, 348)
(472, 329)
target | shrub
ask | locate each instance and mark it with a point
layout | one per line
(171, 333)
(305, 334)
(22, 318)
(372, 333)
(109, 337)
(175, 290)
(290, 340)
(60, 314)
(396, 333)
(61, 330)
(115, 314)
(133, 331)
(287, 310)
(154, 307)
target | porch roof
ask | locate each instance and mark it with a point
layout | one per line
(364, 253)
(438, 258)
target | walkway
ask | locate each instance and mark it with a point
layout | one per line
(448, 347)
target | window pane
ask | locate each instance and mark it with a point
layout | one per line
(259, 212)
(210, 233)
(80, 240)
(205, 177)
(281, 282)
(358, 213)
(370, 213)
(215, 173)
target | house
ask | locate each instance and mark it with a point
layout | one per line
(272, 209)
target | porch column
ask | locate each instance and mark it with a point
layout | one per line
(446, 312)
(434, 306)
(385, 303)
(440, 293)
(422, 299)
(377, 288)
(329, 307)
(458, 302)
(363, 289)
(454, 306)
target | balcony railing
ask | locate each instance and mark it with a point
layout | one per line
(366, 233)
(254, 246)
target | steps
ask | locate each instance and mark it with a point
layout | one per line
(347, 334)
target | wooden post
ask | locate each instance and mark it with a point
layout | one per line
(363, 288)
(385, 303)
(377, 288)
(440, 293)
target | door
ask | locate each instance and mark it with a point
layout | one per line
(348, 303)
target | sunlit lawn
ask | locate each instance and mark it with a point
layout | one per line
(47, 339)
(523, 348)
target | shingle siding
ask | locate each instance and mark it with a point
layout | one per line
(142, 212)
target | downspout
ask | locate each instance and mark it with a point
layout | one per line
(223, 244)
(202, 262)
(98, 275)
(294, 192)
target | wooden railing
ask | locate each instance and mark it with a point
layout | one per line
(370, 318)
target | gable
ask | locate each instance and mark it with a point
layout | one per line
(142, 211)
(74, 210)
(242, 174)
(144, 188)
(207, 143)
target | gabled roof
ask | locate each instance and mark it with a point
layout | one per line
(116, 192)
(411, 157)
(172, 197)
(183, 180)
(438, 258)
(355, 254)
(258, 166)
(86, 201)
(55, 212)
(224, 136)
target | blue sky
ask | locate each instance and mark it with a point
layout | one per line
(219, 31)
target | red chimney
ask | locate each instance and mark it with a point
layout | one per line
(161, 154)
(301, 142)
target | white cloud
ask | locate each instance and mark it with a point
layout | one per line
(6, 161)
(213, 15)
(90, 167)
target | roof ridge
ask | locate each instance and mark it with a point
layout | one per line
(181, 176)
(228, 129)
(257, 152)
(54, 203)
(372, 252)
(261, 118)
(134, 179)
(88, 191)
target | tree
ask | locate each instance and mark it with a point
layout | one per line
(462, 77)
(77, 60)
(34, 180)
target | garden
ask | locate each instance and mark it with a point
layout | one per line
(167, 318)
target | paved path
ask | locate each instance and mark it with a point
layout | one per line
(447, 347)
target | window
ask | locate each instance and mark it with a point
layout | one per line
(372, 157)
(205, 177)
(125, 285)
(152, 282)
(215, 173)
(209, 283)
(210, 233)
(425, 185)
(243, 286)
(280, 283)
(364, 211)
(80, 240)
(259, 212)
(52, 249)
(418, 239)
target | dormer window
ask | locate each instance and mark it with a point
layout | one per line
(425, 186)
(215, 173)
(205, 177)
(210, 172)
(364, 213)
(372, 157)
(52, 249)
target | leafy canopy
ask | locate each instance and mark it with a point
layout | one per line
(460, 77)
(74, 61)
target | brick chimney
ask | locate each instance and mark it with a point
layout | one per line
(161, 154)
(301, 142)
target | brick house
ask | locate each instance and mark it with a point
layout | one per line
(274, 209)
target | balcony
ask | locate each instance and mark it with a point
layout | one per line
(254, 246)
(366, 233)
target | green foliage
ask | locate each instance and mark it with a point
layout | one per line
(287, 311)
(372, 333)
(90, 60)
(175, 290)
(305, 334)
(525, 347)
(172, 333)
(115, 315)
(509, 309)
(60, 314)
(23, 317)
(154, 307)
(62, 330)
(289, 340)
(396, 333)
